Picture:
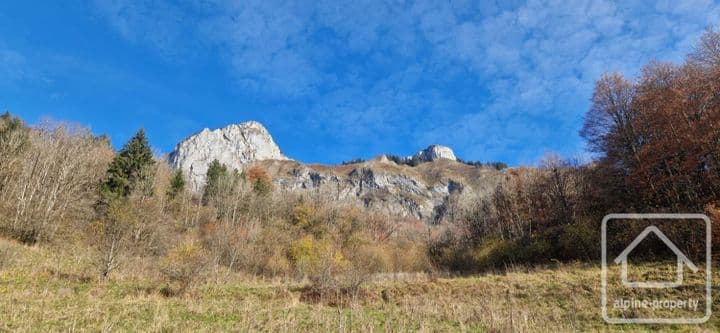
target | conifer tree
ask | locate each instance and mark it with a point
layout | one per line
(177, 185)
(131, 170)
(216, 172)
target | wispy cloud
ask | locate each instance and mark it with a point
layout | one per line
(165, 26)
(492, 81)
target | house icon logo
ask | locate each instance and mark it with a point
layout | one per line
(683, 298)
(682, 261)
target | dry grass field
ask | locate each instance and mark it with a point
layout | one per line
(42, 290)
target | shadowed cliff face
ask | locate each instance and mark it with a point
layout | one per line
(430, 191)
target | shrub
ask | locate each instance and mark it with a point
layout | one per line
(579, 241)
(303, 215)
(235, 246)
(364, 260)
(318, 260)
(110, 235)
(260, 180)
(408, 255)
(177, 185)
(277, 263)
(184, 264)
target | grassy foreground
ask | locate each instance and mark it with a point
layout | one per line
(46, 290)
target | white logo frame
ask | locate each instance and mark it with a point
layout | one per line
(682, 261)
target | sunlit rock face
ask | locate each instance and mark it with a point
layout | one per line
(234, 146)
(435, 152)
(430, 191)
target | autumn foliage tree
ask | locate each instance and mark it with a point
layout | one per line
(657, 146)
(659, 136)
(260, 180)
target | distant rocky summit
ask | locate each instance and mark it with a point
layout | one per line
(435, 152)
(427, 186)
(234, 146)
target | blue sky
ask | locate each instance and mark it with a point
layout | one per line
(334, 80)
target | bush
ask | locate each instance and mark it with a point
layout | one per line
(579, 241)
(364, 260)
(176, 186)
(303, 216)
(317, 260)
(260, 180)
(110, 235)
(183, 265)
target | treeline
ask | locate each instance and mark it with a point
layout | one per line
(657, 142)
(479, 164)
(415, 161)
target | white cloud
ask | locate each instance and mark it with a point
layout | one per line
(160, 24)
(547, 55)
(371, 67)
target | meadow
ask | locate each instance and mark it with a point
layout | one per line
(44, 289)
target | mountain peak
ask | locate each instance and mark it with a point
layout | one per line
(233, 145)
(435, 152)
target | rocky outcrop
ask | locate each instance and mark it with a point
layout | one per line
(428, 191)
(372, 188)
(434, 152)
(234, 146)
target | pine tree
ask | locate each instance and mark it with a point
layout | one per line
(177, 185)
(216, 172)
(131, 170)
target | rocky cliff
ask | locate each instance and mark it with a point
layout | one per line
(434, 152)
(234, 146)
(429, 190)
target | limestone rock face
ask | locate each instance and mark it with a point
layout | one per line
(234, 146)
(435, 152)
(391, 193)
(429, 191)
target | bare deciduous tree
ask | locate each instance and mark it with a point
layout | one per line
(54, 181)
